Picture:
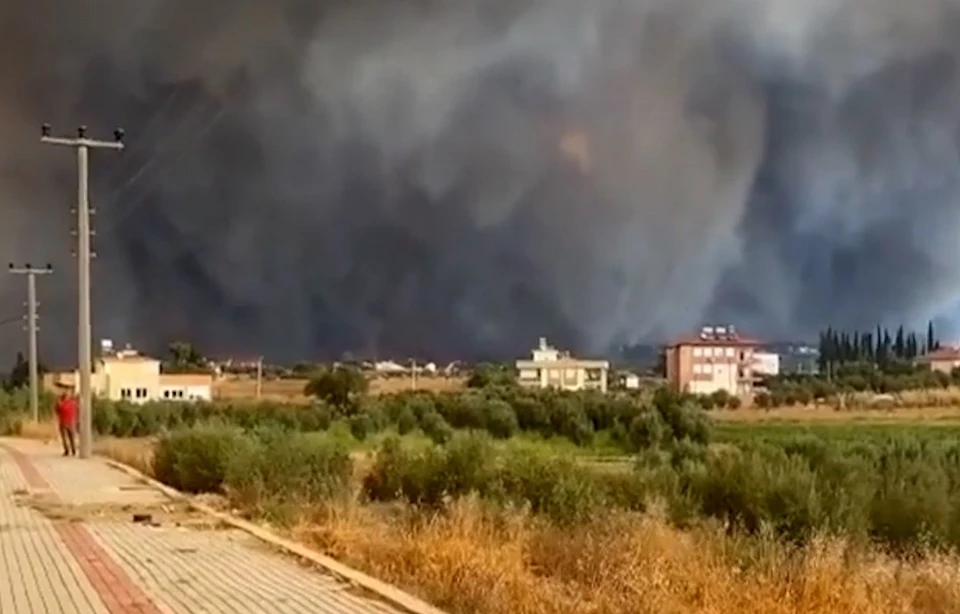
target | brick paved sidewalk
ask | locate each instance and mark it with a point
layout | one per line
(69, 544)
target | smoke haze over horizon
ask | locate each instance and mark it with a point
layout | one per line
(458, 178)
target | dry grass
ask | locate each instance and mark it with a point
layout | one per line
(133, 452)
(930, 398)
(243, 388)
(392, 385)
(474, 559)
(291, 390)
(45, 430)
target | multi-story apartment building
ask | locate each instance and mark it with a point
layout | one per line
(718, 358)
(549, 367)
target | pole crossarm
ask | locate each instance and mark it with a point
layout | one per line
(28, 270)
(83, 144)
(89, 143)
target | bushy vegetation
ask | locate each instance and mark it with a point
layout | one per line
(901, 490)
(521, 475)
(896, 485)
(848, 380)
(264, 469)
(627, 422)
(13, 409)
(534, 522)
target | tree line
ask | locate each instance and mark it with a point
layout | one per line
(879, 347)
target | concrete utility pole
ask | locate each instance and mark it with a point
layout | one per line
(259, 377)
(32, 329)
(84, 333)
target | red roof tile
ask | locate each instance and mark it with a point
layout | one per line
(944, 353)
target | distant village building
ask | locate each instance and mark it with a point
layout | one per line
(126, 375)
(800, 360)
(945, 359)
(389, 367)
(766, 364)
(549, 367)
(631, 381)
(718, 358)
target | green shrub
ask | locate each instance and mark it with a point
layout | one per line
(430, 474)
(647, 430)
(403, 473)
(555, 486)
(435, 427)
(196, 460)
(406, 420)
(288, 467)
(361, 426)
(501, 419)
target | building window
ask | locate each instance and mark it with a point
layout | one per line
(708, 352)
(141, 393)
(125, 393)
(708, 368)
(698, 352)
(166, 394)
(731, 353)
(697, 369)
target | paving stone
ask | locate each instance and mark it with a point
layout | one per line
(90, 563)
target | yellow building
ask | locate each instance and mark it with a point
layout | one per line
(126, 375)
(548, 367)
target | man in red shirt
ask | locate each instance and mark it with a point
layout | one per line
(67, 417)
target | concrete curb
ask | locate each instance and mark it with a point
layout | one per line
(390, 594)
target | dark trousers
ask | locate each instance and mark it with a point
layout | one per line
(68, 436)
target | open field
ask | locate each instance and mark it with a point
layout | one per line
(291, 390)
(821, 413)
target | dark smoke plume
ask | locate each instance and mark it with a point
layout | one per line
(458, 178)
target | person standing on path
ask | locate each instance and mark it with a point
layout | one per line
(67, 419)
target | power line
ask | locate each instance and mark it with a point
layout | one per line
(11, 320)
(114, 198)
(158, 149)
(130, 207)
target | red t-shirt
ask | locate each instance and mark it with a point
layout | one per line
(67, 411)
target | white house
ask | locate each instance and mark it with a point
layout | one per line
(126, 375)
(766, 364)
(551, 368)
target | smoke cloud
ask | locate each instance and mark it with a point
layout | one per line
(458, 178)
